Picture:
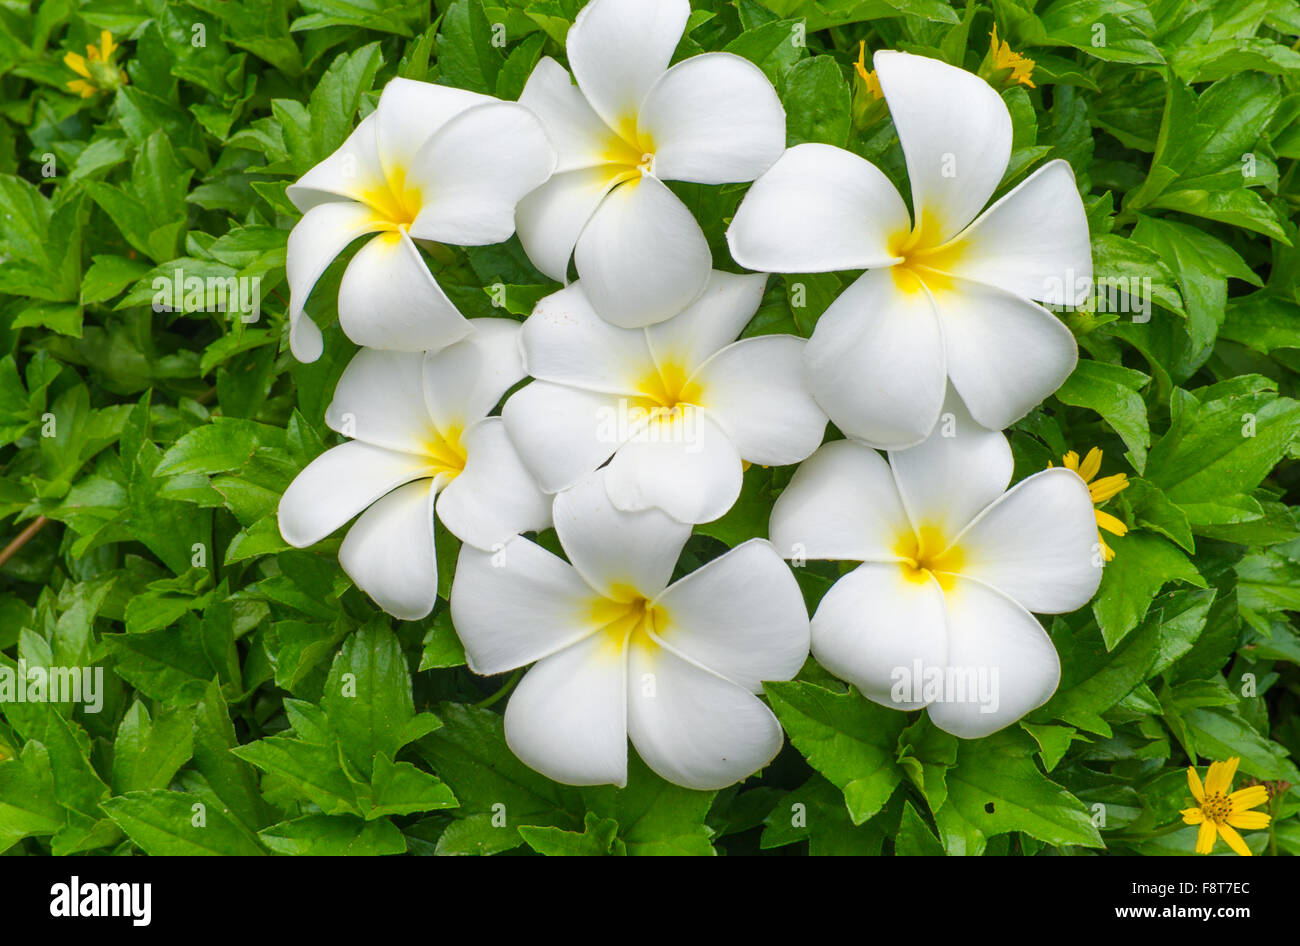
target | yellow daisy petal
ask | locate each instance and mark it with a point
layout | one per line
(1193, 816)
(106, 43)
(1091, 465)
(1205, 838)
(92, 53)
(1248, 797)
(1107, 487)
(1071, 461)
(1194, 783)
(82, 88)
(1108, 522)
(1107, 553)
(1219, 779)
(77, 63)
(1249, 820)
(1234, 840)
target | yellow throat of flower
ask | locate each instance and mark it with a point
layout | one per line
(627, 619)
(629, 152)
(395, 204)
(668, 390)
(926, 554)
(926, 257)
(446, 451)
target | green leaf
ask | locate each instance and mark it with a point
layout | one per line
(326, 836)
(1112, 391)
(178, 824)
(368, 697)
(845, 737)
(995, 787)
(1143, 564)
(914, 838)
(817, 102)
(149, 750)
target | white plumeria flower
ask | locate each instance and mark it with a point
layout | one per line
(938, 614)
(421, 432)
(430, 163)
(943, 297)
(629, 125)
(679, 406)
(620, 653)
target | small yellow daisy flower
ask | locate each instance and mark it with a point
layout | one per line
(868, 77)
(97, 70)
(1005, 58)
(1218, 811)
(1101, 490)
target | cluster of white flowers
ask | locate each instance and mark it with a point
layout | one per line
(644, 409)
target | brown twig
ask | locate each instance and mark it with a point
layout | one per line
(12, 548)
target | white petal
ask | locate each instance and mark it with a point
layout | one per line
(581, 139)
(713, 119)
(712, 321)
(340, 483)
(1003, 659)
(618, 48)
(322, 234)
(352, 171)
(389, 552)
(954, 474)
(551, 218)
(388, 299)
(816, 210)
(956, 137)
(741, 615)
(755, 389)
(875, 362)
(564, 433)
(517, 605)
(879, 625)
(1005, 354)
(566, 342)
(1033, 242)
(410, 113)
(380, 400)
(462, 383)
(841, 504)
(473, 172)
(495, 498)
(1036, 544)
(642, 256)
(687, 467)
(618, 553)
(568, 717)
(693, 727)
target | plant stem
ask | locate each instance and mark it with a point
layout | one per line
(12, 548)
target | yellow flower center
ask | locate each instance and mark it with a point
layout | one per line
(446, 451)
(1216, 807)
(629, 152)
(668, 389)
(626, 619)
(926, 554)
(395, 204)
(925, 257)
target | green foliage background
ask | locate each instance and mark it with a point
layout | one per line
(155, 445)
